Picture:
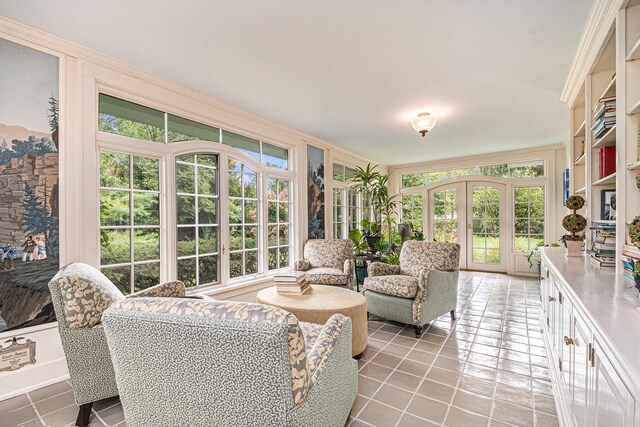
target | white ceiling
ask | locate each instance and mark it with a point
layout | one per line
(352, 72)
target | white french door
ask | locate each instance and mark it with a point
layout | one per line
(471, 214)
(447, 219)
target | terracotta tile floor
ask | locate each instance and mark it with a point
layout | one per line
(488, 368)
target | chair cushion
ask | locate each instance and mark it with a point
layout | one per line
(311, 332)
(328, 252)
(396, 285)
(327, 276)
(85, 293)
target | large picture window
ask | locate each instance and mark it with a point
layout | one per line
(278, 222)
(129, 220)
(529, 217)
(138, 245)
(197, 219)
(243, 219)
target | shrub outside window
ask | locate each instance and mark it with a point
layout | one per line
(129, 220)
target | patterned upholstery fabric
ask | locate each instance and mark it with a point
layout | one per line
(85, 293)
(302, 265)
(328, 261)
(324, 345)
(395, 285)
(328, 252)
(174, 289)
(238, 371)
(419, 255)
(238, 311)
(382, 269)
(311, 331)
(327, 276)
(417, 259)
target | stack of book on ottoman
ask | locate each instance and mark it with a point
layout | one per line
(293, 282)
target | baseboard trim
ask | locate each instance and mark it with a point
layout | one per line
(7, 390)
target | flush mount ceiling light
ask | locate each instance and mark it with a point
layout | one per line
(424, 123)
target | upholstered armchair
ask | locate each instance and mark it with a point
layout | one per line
(423, 287)
(80, 294)
(223, 363)
(328, 262)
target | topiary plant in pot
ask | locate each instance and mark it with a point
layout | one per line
(574, 223)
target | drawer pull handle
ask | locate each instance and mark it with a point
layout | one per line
(569, 341)
(552, 299)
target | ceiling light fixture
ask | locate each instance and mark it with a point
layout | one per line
(424, 123)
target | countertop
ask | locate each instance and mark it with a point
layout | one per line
(606, 302)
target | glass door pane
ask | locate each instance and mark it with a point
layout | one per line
(445, 215)
(485, 224)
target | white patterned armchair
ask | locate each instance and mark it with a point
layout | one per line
(185, 362)
(80, 294)
(423, 287)
(328, 262)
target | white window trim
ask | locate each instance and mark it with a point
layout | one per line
(166, 154)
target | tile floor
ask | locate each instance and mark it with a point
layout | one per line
(488, 368)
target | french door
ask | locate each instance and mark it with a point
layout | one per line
(471, 214)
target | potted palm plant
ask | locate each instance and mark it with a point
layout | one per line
(373, 186)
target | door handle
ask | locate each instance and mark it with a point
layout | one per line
(469, 226)
(569, 341)
(552, 299)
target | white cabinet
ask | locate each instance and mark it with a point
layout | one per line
(594, 391)
(582, 371)
(613, 404)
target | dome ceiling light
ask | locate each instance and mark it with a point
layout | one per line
(424, 123)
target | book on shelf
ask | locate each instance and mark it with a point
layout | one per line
(607, 161)
(605, 112)
(601, 261)
(605, 238)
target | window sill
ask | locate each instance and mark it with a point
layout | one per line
(244, 286)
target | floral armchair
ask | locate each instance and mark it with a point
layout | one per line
(328, 262)
(80, 294)
(423, 287)
(225, 363)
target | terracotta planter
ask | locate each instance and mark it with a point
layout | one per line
(574, 248)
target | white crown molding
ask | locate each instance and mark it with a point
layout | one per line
(21, 33)
(598, 27)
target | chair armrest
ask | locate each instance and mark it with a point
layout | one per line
(435, 282)
(323, 347)
(174, 289)
(382, 269)
(348, 267)
(302, 265)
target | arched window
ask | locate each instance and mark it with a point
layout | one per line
(185, 200)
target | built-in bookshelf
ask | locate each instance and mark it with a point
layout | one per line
(605, 116)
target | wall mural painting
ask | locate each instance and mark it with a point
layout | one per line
(315, 192)
(29, 239)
